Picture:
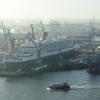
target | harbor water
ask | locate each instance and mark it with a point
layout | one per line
(84, 86)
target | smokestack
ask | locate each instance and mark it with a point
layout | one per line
(45, 35)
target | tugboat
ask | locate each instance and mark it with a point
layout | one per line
(62, 86)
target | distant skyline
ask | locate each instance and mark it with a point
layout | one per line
(49, 9)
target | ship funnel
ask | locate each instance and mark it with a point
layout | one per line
(45, 35)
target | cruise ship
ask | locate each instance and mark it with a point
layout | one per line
(38, 55)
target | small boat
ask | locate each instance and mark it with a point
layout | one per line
(63, 86)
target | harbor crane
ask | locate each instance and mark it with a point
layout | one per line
(7, 35)
(92, 37)
(45, 34)
(33, 31)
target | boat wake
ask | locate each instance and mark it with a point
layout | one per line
(48, 88)
(85, 87)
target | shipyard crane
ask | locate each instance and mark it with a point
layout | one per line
(4, 30)
(7, 35)
(92, 36)
(37, 44)
(11, 39)
(42, 27)
(33, 29)
(93, 31)
(38, 48)
(45, 34)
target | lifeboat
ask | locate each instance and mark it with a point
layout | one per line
(62, 86)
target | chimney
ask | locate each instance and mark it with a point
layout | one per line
(45, 35)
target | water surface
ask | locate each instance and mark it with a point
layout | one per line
(83, 87)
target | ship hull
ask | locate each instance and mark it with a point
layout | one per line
(94, 64)
(51, 62)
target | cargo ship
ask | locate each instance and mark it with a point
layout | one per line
(39, 55)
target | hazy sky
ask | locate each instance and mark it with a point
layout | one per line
(44, 9)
